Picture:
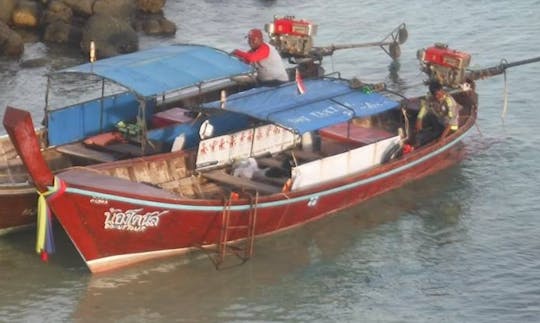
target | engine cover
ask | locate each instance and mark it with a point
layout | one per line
(443, 56)
(290, 26)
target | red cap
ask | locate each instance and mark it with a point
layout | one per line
(255, 33)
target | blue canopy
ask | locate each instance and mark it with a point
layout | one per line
(325, 102)
(166, 68)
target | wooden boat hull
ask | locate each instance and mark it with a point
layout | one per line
(112, 231)
(18, 197)
(17, 208)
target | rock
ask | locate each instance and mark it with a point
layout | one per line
(112, 36)
(62, 32)
(150, 6)
(26, 14)
(157, 25)
(167, 27)
(6, 10)
(80, 7)
(57, 11)
(11, 44)
(115, 8)
(34, 62)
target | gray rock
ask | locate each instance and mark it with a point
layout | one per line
(57, 11)
(80, 7)
(157, 25)
(112, 36)
(115, 8)
(11, 44)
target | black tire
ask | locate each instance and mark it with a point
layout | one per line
(392, 153)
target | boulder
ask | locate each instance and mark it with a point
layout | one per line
(112, 36)
(6, 10)
(155, 24)
(57, 11)
(26, 14)
(62, 32)
(80, 7)
(11, 44)
(150, 6)
(115, 8)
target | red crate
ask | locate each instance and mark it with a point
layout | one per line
(171, 116)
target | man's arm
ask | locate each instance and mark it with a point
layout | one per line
(253, 56)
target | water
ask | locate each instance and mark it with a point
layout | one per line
(460, 246)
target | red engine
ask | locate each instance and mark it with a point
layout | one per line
(444, 64)
(291, 37)
(290, 26)
(442, 55)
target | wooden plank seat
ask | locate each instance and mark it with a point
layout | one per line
(80, 150)
(269, 162)
(222, 177)
(304, 155)
(127, 149)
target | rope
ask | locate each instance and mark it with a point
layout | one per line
(44, 238)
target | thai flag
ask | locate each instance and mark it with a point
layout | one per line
(299, 83)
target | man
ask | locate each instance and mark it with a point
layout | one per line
(265, 57)
(443, 108)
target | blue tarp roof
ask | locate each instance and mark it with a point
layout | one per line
(324, 103)
(166, 68)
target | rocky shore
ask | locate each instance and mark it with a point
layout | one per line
(114, 25)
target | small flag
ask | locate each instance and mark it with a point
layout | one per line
(299, 83)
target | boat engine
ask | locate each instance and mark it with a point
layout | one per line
(291, 37)
(444, 64)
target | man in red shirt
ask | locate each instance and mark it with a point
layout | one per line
(265, 57)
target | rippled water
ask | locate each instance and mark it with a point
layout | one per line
(460, 246)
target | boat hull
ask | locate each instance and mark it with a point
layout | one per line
(17, 208)
(112, 232)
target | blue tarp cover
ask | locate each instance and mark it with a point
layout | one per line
(162, 69)
(325, 102)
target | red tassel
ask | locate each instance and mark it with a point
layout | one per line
(407, 149)
(44, 256)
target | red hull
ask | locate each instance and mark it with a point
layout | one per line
(17, 209)
(109, 233)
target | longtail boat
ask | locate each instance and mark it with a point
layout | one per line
(146, 92)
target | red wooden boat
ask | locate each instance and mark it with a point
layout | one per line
(108, 91)
(237, 187)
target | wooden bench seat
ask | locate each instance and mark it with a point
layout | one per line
(78, 149)
(304, 155)
(240, 182)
